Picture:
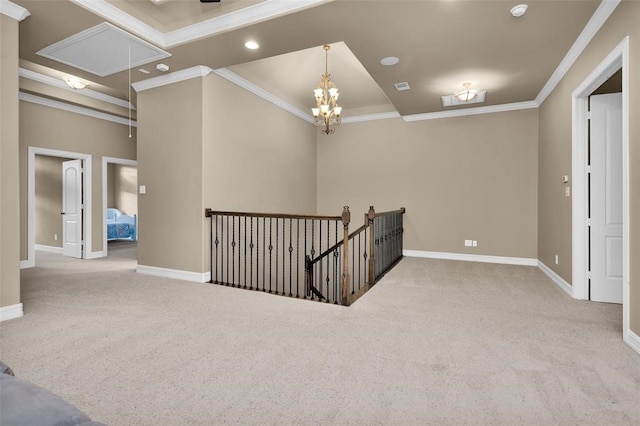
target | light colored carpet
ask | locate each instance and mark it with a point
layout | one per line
(435, 342)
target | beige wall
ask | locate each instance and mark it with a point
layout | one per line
(257, 157)
(122, 181)
(111, 185)
(170, 166)
(471, 177)
(50, 128)
(215, 145)
(48, 191)
(555, 151)
(9, 175)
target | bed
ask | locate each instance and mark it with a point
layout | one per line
(121, 226)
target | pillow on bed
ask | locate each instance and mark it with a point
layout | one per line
(112, 214)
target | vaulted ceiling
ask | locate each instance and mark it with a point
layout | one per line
(440, 44)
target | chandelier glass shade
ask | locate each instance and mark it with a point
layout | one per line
(327, 111)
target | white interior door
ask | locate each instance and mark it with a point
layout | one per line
(72, 208)
(606, 198)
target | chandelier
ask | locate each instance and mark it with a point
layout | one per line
(327, 111)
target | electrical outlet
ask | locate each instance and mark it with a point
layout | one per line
(567, 191)
(55, 237)
(474, 243)
(556, 259)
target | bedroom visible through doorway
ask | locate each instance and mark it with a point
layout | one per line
(120, 205)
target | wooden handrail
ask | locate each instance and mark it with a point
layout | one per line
(402, 210)
(209, 212)
(336, 245)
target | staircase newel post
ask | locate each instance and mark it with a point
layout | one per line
(346, 218)
(372, 261)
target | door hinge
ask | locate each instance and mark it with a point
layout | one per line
(589, 274)
(588, 221)
(589, 169)
(588, 115)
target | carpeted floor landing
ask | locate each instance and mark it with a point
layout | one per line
(434, 342)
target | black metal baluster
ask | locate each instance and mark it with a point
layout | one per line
(264, 245)
(297, 258)
(217, 241)
(364, 255)
(320, 251)
(223, 259)
(335, 268)
(251, 254)
(233, 251)
(245, 252)
(277, 282)
(290, 255)
(270, 250)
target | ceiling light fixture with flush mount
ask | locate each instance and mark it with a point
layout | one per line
(519, 10)
(76, 83)
(327, 111)
(468, 94)
(464, 97)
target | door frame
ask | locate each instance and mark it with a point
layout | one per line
(617, 59)
(31, 200)
(105, 162)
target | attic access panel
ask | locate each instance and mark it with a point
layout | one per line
(103, 50)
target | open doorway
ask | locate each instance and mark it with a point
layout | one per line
(120, 206)
(616, 61)
(47, 230)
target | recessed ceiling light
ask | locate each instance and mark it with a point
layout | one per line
(389, 60)
(162, 67)
(143, 71)
(252, 45)
(519, 10)
(402, 86)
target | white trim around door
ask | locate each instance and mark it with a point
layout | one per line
(105, 163)
(617, 59)
(31, 199)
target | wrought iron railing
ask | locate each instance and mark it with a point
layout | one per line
(304, 256)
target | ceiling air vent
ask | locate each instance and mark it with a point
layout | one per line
(402, 86)
(103, 50)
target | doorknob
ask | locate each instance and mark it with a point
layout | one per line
(62, 213)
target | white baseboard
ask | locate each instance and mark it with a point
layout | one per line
(524, 261)
(29, 263)
(565, 286)
(11, 312)
(174, 273)
(49, 249)
(633, 340)
(95, 254)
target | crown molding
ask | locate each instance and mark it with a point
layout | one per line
(371, 117)
(240, 18)
(246, 84)
(12, 10)
(28, 97)
(471, 111)
(55, 82)
(174, 77)
(602, 13)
